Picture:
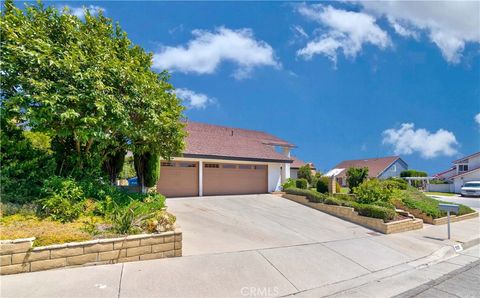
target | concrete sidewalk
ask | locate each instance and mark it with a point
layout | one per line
(354, 262)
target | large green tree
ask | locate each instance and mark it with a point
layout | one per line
(86, 85)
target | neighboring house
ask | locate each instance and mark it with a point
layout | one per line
(463, 170)
(381, 168)
(220, 160)
(297, 164)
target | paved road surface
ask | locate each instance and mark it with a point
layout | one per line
(463, 282)
(470, 201)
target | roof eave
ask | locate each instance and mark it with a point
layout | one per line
(238, 158)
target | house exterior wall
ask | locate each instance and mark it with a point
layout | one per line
(274, 170)
(458, 182)
(394, 170)
(274, 176)
(294, 173)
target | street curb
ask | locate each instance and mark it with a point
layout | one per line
(420, 289)
(471, 243)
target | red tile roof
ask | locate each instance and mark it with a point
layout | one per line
(206, 140)
(375, 165)
(297, 163)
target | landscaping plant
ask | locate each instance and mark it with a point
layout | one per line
(305, 172)
(355, 176)
(301, 183)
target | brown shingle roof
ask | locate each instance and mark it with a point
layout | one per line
(375, 165)
(226, 142)
(297, 163)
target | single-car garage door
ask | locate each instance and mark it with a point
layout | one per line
(229, 179)
(178, 179)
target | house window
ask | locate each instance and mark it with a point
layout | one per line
(167, 164)
(212, 165)
(244, 167)
(259, 167)
(229, 166)
(394, 168)
(462, 168)
(187, 164)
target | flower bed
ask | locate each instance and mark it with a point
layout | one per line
(18, 255)
(348, 213)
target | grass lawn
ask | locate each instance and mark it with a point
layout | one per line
(434, 193)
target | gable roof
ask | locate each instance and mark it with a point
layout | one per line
(376, 166)
(465, 173)
(297, 163)
(466, 157)
(213, 141)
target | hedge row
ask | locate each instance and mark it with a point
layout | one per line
(369, 210)
(312, 196)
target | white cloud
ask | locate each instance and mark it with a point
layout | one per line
(204, 53)
(80, 11)
(477, 118)
(299, 31)
(194, 100)
(345, 30)
(449, 24)
(408, 140)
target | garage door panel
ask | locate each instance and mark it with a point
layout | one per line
(178, 179)
(234, 179)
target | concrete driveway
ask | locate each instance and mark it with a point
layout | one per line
(259, 245)
(238, 223)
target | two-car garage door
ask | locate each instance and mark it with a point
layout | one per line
(179, 179)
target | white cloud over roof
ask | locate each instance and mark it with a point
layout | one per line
(208, 49)
(408, 140)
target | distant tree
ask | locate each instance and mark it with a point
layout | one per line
(413, 173)
(305, 172)
(355, 176)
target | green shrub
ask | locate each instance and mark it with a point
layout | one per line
(305, 172)
(415, 199)
(345, 197)
(129, 219)
(311, 195)
(395, 183)
(23, 166)
(355, 176)
(332, 201)
(322, 184)
(384, 204)
(375, 211)
(372, 190)
(301, 183)
(289, 183)
(62, 199)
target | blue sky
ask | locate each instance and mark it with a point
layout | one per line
(339, 80)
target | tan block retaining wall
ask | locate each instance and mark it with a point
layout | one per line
(18, 256)
(348, 213)
(436, 221)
